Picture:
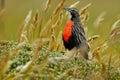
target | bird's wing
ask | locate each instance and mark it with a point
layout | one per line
(80, 37)
(80, 41)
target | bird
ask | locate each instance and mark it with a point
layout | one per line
(74, 36)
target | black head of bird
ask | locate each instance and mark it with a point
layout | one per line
(74, 13)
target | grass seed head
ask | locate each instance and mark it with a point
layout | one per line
(83, 10)
(115, 32)
(58, 7)
(99, 19)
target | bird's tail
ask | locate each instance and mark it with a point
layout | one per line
(84, 51)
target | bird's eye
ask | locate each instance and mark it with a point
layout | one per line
(74, 10)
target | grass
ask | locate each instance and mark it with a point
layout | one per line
(39, 53)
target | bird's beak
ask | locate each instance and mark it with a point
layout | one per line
(67, 9)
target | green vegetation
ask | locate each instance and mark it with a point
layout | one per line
(39, 54)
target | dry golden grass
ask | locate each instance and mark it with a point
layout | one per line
(2, 6)
(43, 57)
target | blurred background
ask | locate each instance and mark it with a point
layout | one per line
(13, 13)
